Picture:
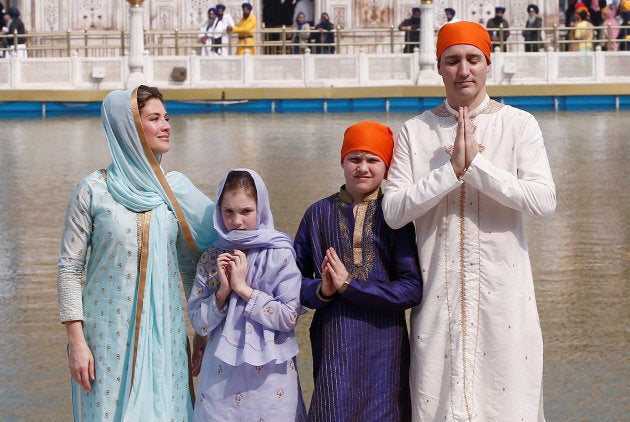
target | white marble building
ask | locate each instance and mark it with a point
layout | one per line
(63, 15)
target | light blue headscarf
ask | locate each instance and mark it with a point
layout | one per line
(135, 180)
(271, 269)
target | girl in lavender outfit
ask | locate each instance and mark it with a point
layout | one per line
(246, 299)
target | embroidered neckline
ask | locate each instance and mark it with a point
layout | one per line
(488, 106)
(345, 196)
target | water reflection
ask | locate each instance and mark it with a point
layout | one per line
(580, 256)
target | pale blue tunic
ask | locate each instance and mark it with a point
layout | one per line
(96, 222)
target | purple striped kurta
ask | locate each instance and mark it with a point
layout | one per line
(359, 337)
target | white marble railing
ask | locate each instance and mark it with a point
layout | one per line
(308, 70)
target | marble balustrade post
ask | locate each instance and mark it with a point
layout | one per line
(136, 44)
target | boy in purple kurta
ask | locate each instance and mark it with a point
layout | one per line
(359, 275)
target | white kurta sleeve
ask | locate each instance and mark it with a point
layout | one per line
(406, 199)
(531, 190)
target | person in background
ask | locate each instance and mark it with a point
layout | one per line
(411, 26)
(608, 36)
(569, 18)
(583, 33)
(306, 7)
(139, 230)
(450, 15)
(224, 25)
(323, 38)
(595, 10)
(226, 18)
(624, 33)
(246, 300)
(3, 29)
(245, 31)
(206, 33)
(497, 35)
(300, 32)
(465, 173)
(359, 275)
(14, 25)
(533, 34)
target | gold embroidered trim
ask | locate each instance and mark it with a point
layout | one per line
(357, 256)
(490, 108)
(450, 148)
(139, 224)
(442, 111)
(143, 249)
(467, 365)
(462, 289)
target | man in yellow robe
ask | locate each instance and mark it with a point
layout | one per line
(245, 30)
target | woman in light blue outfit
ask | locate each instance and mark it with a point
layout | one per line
(246, 299)
(127, 343)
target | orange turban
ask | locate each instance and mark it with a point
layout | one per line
(372, 137)
(579, 6)
(464, 32)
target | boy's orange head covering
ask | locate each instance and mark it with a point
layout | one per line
(464, 32)
(369, 136)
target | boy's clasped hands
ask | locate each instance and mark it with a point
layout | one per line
(334, 273)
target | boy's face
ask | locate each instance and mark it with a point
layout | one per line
(363, 172)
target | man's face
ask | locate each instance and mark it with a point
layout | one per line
(449, 16)
(246, 12)
(416, 14)
(464, 70)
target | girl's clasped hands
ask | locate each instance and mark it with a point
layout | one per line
(232, 269)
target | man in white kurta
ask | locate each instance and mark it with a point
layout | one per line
(465, 172)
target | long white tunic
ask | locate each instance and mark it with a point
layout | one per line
(476, 343)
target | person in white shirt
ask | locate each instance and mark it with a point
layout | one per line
(225, 23)
(465, 172)
(207, 34)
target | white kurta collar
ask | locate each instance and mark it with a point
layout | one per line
(471, 113)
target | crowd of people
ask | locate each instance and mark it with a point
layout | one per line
(585, 20)
(444, 238)
(303, 33)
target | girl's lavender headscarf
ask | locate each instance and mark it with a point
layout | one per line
(273, 274)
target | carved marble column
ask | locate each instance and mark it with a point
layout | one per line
(427, 37)
(136, 44)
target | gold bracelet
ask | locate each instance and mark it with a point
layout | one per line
(219, 296)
